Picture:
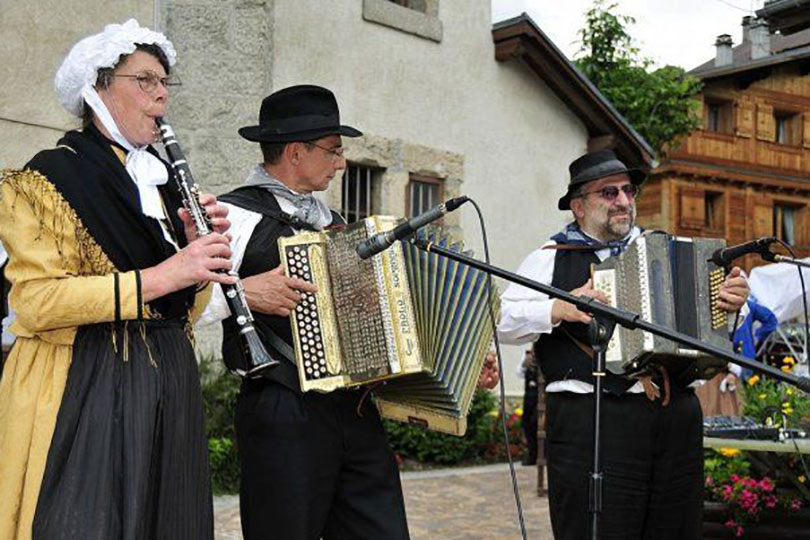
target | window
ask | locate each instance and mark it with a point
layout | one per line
(784, 222)
(359, 188)
(424, 193)
(719, 115)
(417, 17)
(714, 214)
(418, 5)
(788, 128)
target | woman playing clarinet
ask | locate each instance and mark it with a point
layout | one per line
(101, 429)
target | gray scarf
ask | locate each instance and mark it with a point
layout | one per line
(307, 207)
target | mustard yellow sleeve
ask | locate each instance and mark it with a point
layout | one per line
(60, 276)
(200, 302)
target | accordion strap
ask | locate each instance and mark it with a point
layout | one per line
(241, 198)
(650, 389)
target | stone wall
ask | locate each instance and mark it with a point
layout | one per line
(225, 64)
(34, 39)
(396, 160)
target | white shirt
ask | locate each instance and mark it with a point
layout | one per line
(243, 223)
(526, 313)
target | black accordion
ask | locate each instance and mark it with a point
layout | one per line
(669, 281)
(415, 322)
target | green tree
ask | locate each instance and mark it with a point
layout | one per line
(660, 104)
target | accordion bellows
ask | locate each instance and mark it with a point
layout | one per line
(415, 320)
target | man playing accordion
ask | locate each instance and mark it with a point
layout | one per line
(651, 450)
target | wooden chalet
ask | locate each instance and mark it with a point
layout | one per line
(786, 16)
(745, 173)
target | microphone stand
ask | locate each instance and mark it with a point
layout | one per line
(790, 260)
(600, 331)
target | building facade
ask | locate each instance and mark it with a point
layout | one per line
(745, 173)
(448, 105)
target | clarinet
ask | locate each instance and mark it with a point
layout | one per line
(258, 357)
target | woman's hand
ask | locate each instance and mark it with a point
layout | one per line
(218, 213)
(196, 263)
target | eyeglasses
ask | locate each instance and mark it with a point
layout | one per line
(337, 153)
(149, 80)
(611, 192)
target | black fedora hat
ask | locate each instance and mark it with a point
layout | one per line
(593, 166)
(298, 113)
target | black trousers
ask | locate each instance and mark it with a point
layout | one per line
(312, 467)
(652, 459)
(529, 421)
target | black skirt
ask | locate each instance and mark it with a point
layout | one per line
(128, 459)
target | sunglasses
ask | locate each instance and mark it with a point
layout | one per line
(611, 192)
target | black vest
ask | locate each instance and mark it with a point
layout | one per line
(260, 256)
(559, 357)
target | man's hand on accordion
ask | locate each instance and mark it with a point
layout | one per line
(734, 292)
(273, 293)
(564, 311)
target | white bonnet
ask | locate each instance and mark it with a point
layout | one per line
(80, 67)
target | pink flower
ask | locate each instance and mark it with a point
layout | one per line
(709, 481)
(739, 532)
(795, 505)
(766, 484)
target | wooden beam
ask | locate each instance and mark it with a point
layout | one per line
(602, 142)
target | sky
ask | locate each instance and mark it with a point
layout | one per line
(676, 32)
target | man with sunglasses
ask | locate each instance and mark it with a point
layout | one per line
(651, 453)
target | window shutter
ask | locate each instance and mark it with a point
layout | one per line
(693, 208)
(736, 220)
(763, 218)
(806, 134)
(745, 118)
(766, 123)
(801, 225)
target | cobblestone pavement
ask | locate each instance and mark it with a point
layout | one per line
(448, 504)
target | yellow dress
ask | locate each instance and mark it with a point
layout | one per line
(61, 280)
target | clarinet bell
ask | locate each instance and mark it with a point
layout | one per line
(260, 359)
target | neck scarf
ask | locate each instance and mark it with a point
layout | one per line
(307, 208)
(573, 235)
(147, 171)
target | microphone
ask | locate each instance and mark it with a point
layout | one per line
(382, 241)
(724, 256)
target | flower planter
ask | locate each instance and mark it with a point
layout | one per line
(789, 526)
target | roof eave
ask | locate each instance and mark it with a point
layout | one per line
(520, 38)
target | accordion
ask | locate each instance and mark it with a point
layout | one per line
(415, 320)
(669, 281)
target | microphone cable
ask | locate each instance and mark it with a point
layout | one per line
(502, 387)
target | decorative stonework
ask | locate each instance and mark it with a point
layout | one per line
(419, 22)
(396, 160)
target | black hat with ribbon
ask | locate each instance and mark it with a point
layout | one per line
(298, 113)
(594, 166)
